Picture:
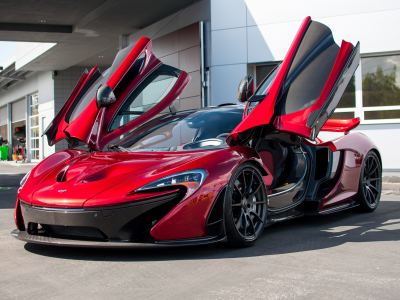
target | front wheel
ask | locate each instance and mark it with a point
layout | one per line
(245, 206)
(370, 185)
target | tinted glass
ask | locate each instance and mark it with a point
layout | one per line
(88, 96)
(342, 115)
(262, 72)
(202, 130)
(146, 96)
(267, 82)
(383, 114)
(349, 96)
(309, 70)
(381, 81)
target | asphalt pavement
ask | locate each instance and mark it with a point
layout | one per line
(347, 255)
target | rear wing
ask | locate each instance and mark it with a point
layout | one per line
(341, 125)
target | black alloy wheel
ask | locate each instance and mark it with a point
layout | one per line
(245, 206)
(370, 186)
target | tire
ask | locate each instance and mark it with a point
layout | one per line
(245, 206)
(370, 184)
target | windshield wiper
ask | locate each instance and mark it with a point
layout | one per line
(116, 148)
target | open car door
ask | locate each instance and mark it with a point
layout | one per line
(104, 106)
(300, 94)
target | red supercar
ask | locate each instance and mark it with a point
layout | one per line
(151, 176)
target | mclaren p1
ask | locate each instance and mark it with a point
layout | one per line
(151, 175)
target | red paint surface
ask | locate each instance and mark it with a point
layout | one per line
(263, 112)
(339, 125)
(187, 219)
(356, 147)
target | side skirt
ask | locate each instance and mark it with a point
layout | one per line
(334, 209)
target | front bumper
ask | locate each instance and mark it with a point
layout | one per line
(44, 240)
(110, 227)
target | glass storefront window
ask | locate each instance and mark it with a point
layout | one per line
(34, 110)
(382, 114)
(34, 143)
(381, 82)
(342, 115)
(35, 132)
(34, 121)
(35, 154)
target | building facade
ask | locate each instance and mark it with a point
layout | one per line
(218, 42)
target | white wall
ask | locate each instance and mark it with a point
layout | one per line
(19, 90)
(43, 84)
(385, 136)
(254, 31)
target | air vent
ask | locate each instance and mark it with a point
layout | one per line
(74, 231)
(62, 174)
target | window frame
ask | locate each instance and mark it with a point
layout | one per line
(359, 109)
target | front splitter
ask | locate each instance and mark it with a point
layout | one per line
(44, 240)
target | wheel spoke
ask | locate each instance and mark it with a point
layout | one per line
(244, 225)
(244, 182)
(257, 202)
(239, 220)
(373, 169)
(256, 216)
(236, 204)
(250, 183)
(374, 179)
(235, 187)
(255, 190)
(371, 186)
(367, 166)
(371, 195)
(253, 228)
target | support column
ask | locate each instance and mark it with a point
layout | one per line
(9, 130)
(28, 128)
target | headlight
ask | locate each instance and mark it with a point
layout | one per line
(25, 179)
(192, 180)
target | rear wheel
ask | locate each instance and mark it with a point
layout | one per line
(245, 206)
(370, 186)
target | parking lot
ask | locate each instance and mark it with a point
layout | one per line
(347, 255)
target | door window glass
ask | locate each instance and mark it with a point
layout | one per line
(348, 99)
(146, 96)
(87, 97)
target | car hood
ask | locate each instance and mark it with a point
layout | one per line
(81, 175)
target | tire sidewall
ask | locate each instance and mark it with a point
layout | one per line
(362, 197)
(234, 238)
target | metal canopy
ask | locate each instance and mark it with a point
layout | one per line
(85, 31)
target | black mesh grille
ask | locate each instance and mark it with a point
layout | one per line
(74, 231)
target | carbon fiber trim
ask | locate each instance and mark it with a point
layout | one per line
(43, 240)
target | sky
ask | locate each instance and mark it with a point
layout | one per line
(6, 50)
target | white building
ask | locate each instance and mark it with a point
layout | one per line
(221, 41)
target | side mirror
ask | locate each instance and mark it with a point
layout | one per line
(246, 88)
(105, 96)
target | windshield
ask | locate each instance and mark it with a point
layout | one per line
(201, 130)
